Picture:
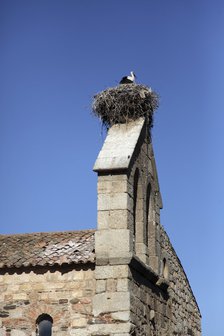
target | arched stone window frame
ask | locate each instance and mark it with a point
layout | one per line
(135, 195)
(139, 230)
(149, 214)
(152, 229)
(165, 268)
(44, 318)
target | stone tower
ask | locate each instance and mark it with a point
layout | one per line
(133, 252)
(129, 199)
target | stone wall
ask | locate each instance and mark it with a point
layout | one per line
(127, 194)
(184, 309)
(162, 304)
(150, 304)
(158, 297)
(111, 304)
(64, 293)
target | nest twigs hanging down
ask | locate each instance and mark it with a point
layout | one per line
(124, 103)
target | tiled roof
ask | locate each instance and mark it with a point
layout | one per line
(47, 248)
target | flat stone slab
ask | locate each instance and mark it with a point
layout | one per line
(119, 146)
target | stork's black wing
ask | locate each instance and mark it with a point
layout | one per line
(125, 80)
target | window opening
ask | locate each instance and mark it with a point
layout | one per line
(165, 269)
(136, 179)
(148, 194)
(44, 325)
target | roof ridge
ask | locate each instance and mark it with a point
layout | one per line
(46, 232)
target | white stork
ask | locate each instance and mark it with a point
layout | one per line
(128, 79)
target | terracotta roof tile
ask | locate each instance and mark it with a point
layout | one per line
(47, 248)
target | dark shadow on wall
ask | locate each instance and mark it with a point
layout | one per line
(64, 268)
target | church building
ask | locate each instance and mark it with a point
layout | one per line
(124, 278)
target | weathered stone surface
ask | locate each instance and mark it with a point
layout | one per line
(116, 271)
(79, 322)
(122, 316)
(122, 285)
(114, 201)
(100, 286)
(112, 186)
(109, 329)
(111, 302)
(52, 293)
(17, 333)
(79, 332)
(113, 219)
(115, 243)
(119, 146)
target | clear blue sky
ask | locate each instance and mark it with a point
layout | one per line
(54, 56)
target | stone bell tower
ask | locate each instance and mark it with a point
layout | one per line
(127, 236)
(129, 199)
(141, 286)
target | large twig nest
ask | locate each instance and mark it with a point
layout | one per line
(124, 103)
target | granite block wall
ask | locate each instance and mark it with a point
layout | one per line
(63, 293)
